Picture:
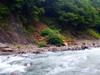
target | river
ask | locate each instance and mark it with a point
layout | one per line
(83, 62)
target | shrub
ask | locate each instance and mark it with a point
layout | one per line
(54, 37)
(46, 32)
(50, 32)
(56, 41)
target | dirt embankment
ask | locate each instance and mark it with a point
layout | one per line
(12, 37)
(14, 40)
(13, 32)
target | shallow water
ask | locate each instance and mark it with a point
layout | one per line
(60, 63)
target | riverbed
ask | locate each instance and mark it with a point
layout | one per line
(83, 62)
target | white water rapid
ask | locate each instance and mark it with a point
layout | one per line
(85, 62)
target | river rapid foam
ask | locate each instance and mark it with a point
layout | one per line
(83, 62)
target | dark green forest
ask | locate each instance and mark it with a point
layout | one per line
(75, 15)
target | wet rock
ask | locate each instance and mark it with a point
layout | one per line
(84, 47)
(37, 52)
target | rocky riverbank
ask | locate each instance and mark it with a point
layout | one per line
(6, 49)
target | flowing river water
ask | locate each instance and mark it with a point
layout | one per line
(81, 62)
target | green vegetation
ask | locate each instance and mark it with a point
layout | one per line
(53, 36)
(42, 44)
(73, 15)
(49, 32)
(56, 41)
(94, 33)
(80, 14)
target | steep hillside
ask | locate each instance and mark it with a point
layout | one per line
(12, 31)
(49, 21)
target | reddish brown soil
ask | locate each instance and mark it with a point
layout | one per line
(38, 28)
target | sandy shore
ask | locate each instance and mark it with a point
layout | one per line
(6, 49)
